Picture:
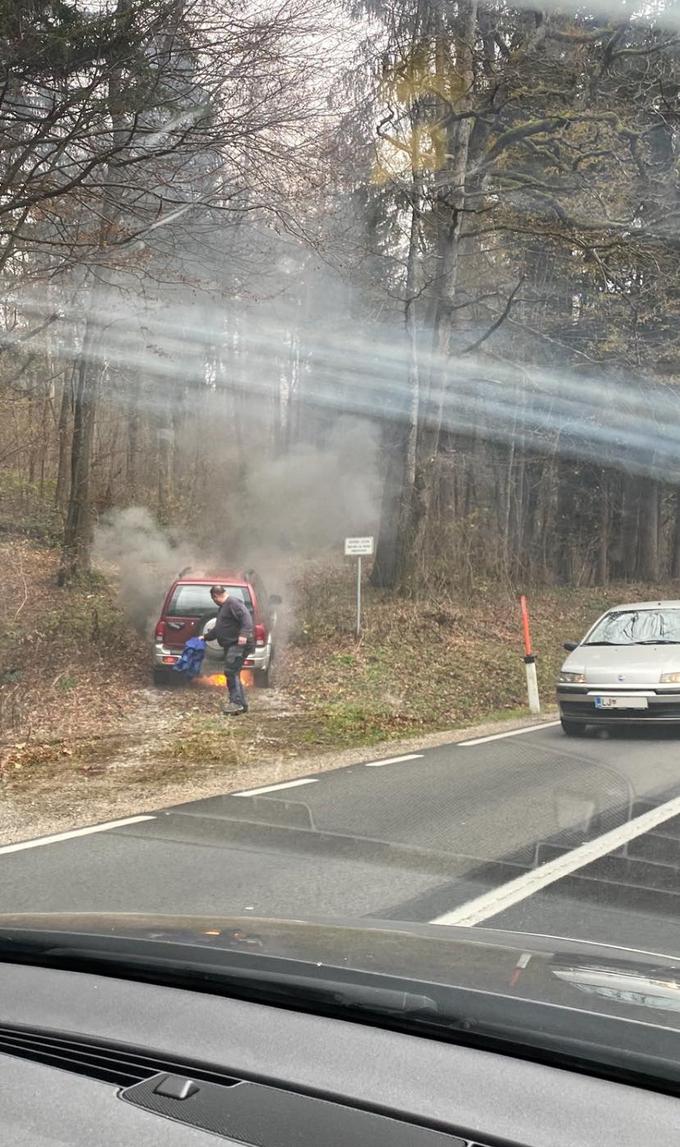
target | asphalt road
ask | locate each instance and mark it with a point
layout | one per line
(535, 831)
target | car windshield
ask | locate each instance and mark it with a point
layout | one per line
(374, 306)
(633, 627)
(195, 600)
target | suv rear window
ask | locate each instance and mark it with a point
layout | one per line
(195, 600)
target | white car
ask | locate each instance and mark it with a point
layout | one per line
(626, 670)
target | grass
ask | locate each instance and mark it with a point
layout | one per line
(205, 740)
(68, 657)
(421, 667)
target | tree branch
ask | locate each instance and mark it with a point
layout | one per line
(499, 321)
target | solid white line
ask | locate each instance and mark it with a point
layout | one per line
(40, 840)
(512, 733)
(498, 899)
(392, 761)
(274, 788)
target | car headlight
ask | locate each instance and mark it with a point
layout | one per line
(575, 678)
(670, 678)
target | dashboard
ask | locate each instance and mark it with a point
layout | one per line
(87, 1059)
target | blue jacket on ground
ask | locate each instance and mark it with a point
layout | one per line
(192, 658)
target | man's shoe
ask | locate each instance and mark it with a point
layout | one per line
(231, 709)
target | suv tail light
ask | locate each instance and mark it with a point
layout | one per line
(160, 631)
(260, 635)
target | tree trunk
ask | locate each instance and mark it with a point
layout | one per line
(114, 467)
(448, 217)
(386, 563)
(411, 327)
(132, 452)
(602, 572)
(564, 524)
(286, 393)
(649, 529)
(75, 558)
(545, 528)
(401, 435)
(77, 545)
(507, 495)
(63, 440)
(45, 451)
(166, 439)
(675, 556)
(630, 512)
(400, 439)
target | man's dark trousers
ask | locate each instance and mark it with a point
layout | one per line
(234, 657)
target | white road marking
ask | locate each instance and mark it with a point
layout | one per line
(512, 733)
(40, 840)
(275, 788)
(392, 761)
(514, 891)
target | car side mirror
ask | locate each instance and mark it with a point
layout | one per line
(570, 646)
(274, 599)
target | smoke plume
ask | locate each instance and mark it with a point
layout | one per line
(143, 558)
(298, 506)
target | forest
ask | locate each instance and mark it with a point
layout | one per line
(276, 274)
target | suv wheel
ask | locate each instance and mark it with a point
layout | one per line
(164, 678)
(573, 728)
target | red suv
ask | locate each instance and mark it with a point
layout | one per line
(187, 610)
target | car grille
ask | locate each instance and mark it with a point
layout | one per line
(669, 711)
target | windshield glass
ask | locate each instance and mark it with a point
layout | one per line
(373, 305)
(631, 626)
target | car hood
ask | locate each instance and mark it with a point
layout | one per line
(555, 970)
(636, 664)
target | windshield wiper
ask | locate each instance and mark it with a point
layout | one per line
(627, 644)
(657, 641)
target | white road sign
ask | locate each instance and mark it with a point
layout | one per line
(358, 547)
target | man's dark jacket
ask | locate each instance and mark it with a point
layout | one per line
(234, 620)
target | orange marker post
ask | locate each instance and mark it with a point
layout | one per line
(529, 659)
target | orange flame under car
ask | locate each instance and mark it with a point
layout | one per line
(218, 680)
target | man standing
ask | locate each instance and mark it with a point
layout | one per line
(233, 630)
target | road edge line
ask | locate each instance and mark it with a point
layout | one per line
(275, 788)
(57, 836)
(509, 733)
(392, 760)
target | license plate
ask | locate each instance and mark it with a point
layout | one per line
(621, 703)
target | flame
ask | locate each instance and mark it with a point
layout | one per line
(219, 681)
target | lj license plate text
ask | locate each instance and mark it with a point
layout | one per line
(621, 703)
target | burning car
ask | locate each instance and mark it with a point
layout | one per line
(188, 611)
